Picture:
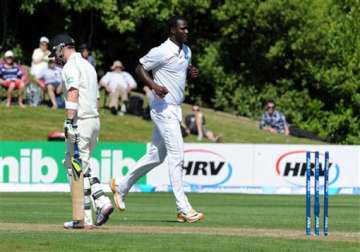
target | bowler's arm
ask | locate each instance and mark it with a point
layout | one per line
(145, 77)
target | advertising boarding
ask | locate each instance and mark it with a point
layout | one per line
(214, 168)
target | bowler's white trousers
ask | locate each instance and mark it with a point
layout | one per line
(167, 141)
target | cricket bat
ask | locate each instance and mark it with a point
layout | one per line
(77, 189)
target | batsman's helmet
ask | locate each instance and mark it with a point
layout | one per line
(60, 41)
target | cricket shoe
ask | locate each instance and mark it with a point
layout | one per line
(190, 217)
(118, 199)
(102, 215)
(76, 225)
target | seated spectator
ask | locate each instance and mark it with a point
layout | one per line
(195, 124)
(150, 98)
(149, 94)
(118, 84)
(273, 120)
(85, 53)
(51, 77)
(40, 57)
(10, 78)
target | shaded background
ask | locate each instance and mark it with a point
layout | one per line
(302, 54)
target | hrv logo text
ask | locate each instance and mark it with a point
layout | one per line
(291, 166)
(205, 168)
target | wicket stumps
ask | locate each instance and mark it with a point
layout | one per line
(317, 196)
(326, 194)
(314, 170)
(308, 196)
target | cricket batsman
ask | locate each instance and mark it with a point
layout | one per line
(169, 64)
(82, 126)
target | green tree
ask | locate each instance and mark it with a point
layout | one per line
(304, 54)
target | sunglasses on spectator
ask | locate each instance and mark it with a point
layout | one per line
(270, 107)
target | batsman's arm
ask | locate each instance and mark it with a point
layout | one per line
(145, 77)
(71, 106)
(98, 98)
(72, 103)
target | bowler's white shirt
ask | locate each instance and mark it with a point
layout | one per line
(118, 79)
(169, 65)
(80, 74)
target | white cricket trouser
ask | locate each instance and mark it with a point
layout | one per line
(89, 132)
(167, 140)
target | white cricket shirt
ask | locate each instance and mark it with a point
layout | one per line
(169, 65)
(80, 74)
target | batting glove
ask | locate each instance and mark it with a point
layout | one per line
(67, 163)
(71, 131)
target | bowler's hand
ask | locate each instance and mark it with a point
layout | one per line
(193, 72)
(108, 89)
(160, 90)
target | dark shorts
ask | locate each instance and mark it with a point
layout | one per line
(194, 131)
(280, 131)
(54, 84)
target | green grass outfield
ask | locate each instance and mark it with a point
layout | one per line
(234, 222)
(35, 123)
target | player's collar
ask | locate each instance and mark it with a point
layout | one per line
(174, 47)
(75, 54)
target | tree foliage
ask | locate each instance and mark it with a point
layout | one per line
(304, 54)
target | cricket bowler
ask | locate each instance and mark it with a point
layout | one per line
(169, 64)
(82, 126)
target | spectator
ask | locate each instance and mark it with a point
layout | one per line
(85, 53)
(149, 94)
(118, 84)
(195, 124)
(150, 98)
(273, 120)
(40, 57)
(10, 76)
(51, 77)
